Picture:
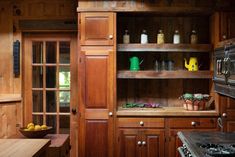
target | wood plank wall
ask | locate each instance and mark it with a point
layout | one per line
(11, 11)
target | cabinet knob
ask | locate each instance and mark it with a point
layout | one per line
(141, 123)
(110, 36)
(224, 37)
(143, 143)
(139, 143)
(193, 123)
(224, 115)
(110, 114)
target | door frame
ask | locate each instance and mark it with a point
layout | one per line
(27, 109)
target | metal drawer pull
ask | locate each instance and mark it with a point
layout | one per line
(139, 143)
(143, 143)
(141, 123)
(193, 123)
(224, 115)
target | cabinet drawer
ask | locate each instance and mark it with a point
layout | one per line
(192, 123)
(141, 122)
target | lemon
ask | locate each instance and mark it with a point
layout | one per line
(30, 124)
(31, 128)
(44, 127)
(37, 128)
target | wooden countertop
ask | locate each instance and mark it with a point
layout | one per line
(163, 111)
(10, 98)
(23, 147)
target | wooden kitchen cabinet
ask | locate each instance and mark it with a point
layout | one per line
(97, 28)
(140, 143)
(227, 23)
(140, 137)
(227, 113)
(186, 124)
(96, 83)
(96, 106)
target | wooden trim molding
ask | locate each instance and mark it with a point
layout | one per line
(10, 98)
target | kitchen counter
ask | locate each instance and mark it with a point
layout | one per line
(207, 144)
(163, 111)
(23, 147)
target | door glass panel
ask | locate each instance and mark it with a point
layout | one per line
(64, 52)
(64, 125)
(51, 101)
(37, 52)
(64, 77)
(37, 101)
(38, 119)
(51, 121)
(50, 92)
(51, 77)
(64, 101)
(37, 77)
(51, 52)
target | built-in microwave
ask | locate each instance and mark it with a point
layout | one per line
(224, 70)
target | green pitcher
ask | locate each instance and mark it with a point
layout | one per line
(135, 63)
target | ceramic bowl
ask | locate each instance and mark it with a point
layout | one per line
(35, 134)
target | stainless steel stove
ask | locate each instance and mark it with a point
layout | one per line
(207, 144)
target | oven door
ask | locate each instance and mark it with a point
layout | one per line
(231, 68)
(224, 71)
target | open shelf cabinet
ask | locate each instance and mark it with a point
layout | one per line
(162, 86)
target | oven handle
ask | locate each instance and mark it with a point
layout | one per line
(180, 149)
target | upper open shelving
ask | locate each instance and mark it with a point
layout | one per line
(151, 74)
(164, 47)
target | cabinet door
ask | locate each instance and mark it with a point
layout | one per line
(227, 25)
(129, 143)
(228, 113)
(97, 28)
(153, 143)
(96, 102)
(173, 143)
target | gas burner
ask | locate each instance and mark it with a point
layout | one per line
(218, 150)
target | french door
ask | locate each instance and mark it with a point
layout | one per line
(50, 82)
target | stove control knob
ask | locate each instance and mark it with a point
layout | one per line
(193, 123)
(224, 115)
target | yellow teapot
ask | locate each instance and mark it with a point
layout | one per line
(193, 64)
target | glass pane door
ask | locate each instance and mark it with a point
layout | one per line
(51, 84)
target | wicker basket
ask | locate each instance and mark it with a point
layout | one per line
(196, 105)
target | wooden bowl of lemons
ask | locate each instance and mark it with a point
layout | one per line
(35, 131)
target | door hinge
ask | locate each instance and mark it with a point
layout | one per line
(167, 139)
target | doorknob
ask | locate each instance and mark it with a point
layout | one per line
(139, 143)
(74, 111)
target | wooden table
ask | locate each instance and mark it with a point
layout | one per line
(58, 147)
(23, 147)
